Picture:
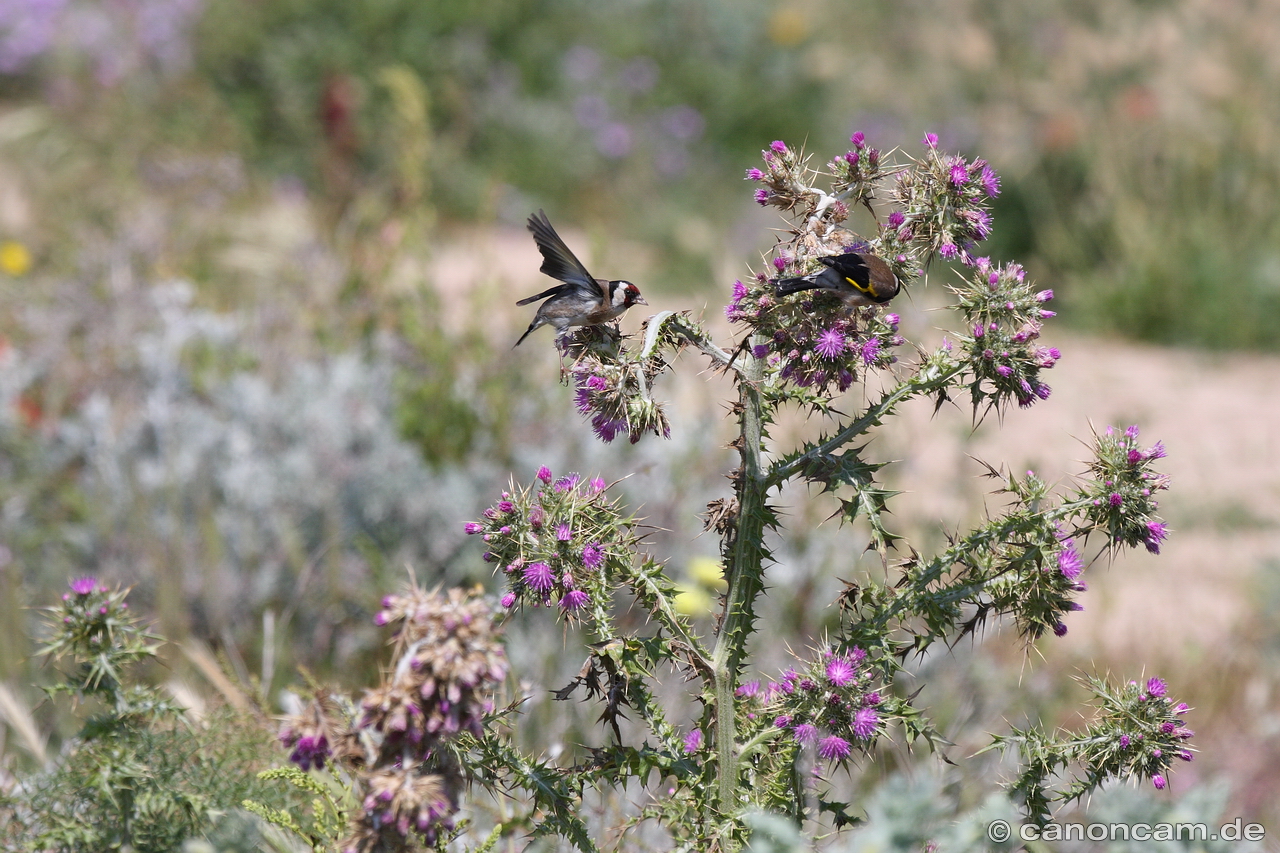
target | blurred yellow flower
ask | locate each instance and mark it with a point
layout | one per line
(788, 26)
(693, 601)
(14, 258)
(708, 573)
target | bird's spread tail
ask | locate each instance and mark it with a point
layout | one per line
(785, 286)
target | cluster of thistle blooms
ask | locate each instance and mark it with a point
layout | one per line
(786, 181)
(1123, 489)
(1036, 575)
(449, 660)
(1139, 732)
(811, 338)
(1006, 314)
(555, 541)
(611, 385)
(943, 201)
(831, 704)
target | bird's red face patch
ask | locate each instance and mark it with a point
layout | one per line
(631, 295)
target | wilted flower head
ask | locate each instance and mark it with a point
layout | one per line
(454, 659)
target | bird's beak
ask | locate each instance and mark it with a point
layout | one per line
(640, 301)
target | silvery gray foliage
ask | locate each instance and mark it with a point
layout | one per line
(252, 483)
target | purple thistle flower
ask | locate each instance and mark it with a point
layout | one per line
(762, 196)
(981, 221)
(739, 290)
(471, 527)
(778, 146)
(693, 741)
(565, 484)
(1044, 296)
(592, 556)
(805, 733)
(83, 586)
(760, 350)
(1186, 756)
(1167, 727)
(870, 351)
(780, 263)
(544, 474)
(949, 251)
(598, 485)
(959, 174)
(597, 383)
(865, 721)
(830, 344)
(1116, 499)
(782, 722)
(858, 139)
(539, 577)
(990, 181)
(896, 219)
(1157, 686)
(535, 518)
(509, 600)
(1059, 629)
(1004, 370)
(1124, 741)
(755, 175)
(930, 140)
(834, 748)
(1159, 782)
(1157, 531)
(1131, 431)
(505, 506)
(872, 698)
(1070, 563)
(564, 532)
(748, 690)
(1157, 451)
(606, 428)
(1182, 708)
(573, 600)
(840, 672)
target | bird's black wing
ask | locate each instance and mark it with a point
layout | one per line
(850, 264)
(550, 291)
(557, 261)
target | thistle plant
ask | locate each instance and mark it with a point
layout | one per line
(140, 774)
(564, 548)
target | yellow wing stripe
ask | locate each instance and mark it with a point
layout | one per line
(856, 286)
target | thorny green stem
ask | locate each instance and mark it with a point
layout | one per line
(924, 382)
(745, 581)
